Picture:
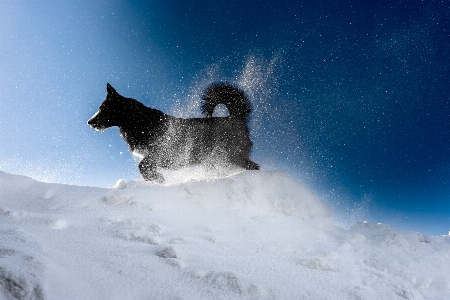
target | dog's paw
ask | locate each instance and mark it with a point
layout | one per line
(154, 177)
(159, 178)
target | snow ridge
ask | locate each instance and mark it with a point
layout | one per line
(253, 235)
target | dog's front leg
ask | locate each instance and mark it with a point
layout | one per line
(147, 168)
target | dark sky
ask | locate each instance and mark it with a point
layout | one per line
(350, 97)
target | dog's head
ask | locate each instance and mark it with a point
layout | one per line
(110, 112)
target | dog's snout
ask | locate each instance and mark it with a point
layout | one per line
(91, 122)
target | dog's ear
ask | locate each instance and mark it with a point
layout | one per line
(110, 89)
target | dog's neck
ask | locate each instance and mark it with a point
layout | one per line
(142, 129)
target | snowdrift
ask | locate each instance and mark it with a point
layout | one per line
(254, 235)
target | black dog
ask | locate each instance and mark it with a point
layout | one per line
(168, 142)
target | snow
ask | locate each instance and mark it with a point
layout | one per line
(252, 235)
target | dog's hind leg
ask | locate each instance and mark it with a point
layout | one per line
(148, 170)
(245, 163)
(250, 165)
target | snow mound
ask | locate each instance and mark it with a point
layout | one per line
(253, 235)
(254, 192)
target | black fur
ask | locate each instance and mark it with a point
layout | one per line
(168, 142)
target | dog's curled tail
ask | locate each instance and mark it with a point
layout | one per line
(230, 95)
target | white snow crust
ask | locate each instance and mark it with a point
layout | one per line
(253, 235)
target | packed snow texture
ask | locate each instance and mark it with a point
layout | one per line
(253, 235)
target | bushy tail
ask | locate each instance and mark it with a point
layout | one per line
(230, 95)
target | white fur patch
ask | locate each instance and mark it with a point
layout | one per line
(137, 154)
(94, 115)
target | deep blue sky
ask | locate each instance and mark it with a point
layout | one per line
(350, 97)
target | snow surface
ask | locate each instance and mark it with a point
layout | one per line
(253, 235)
